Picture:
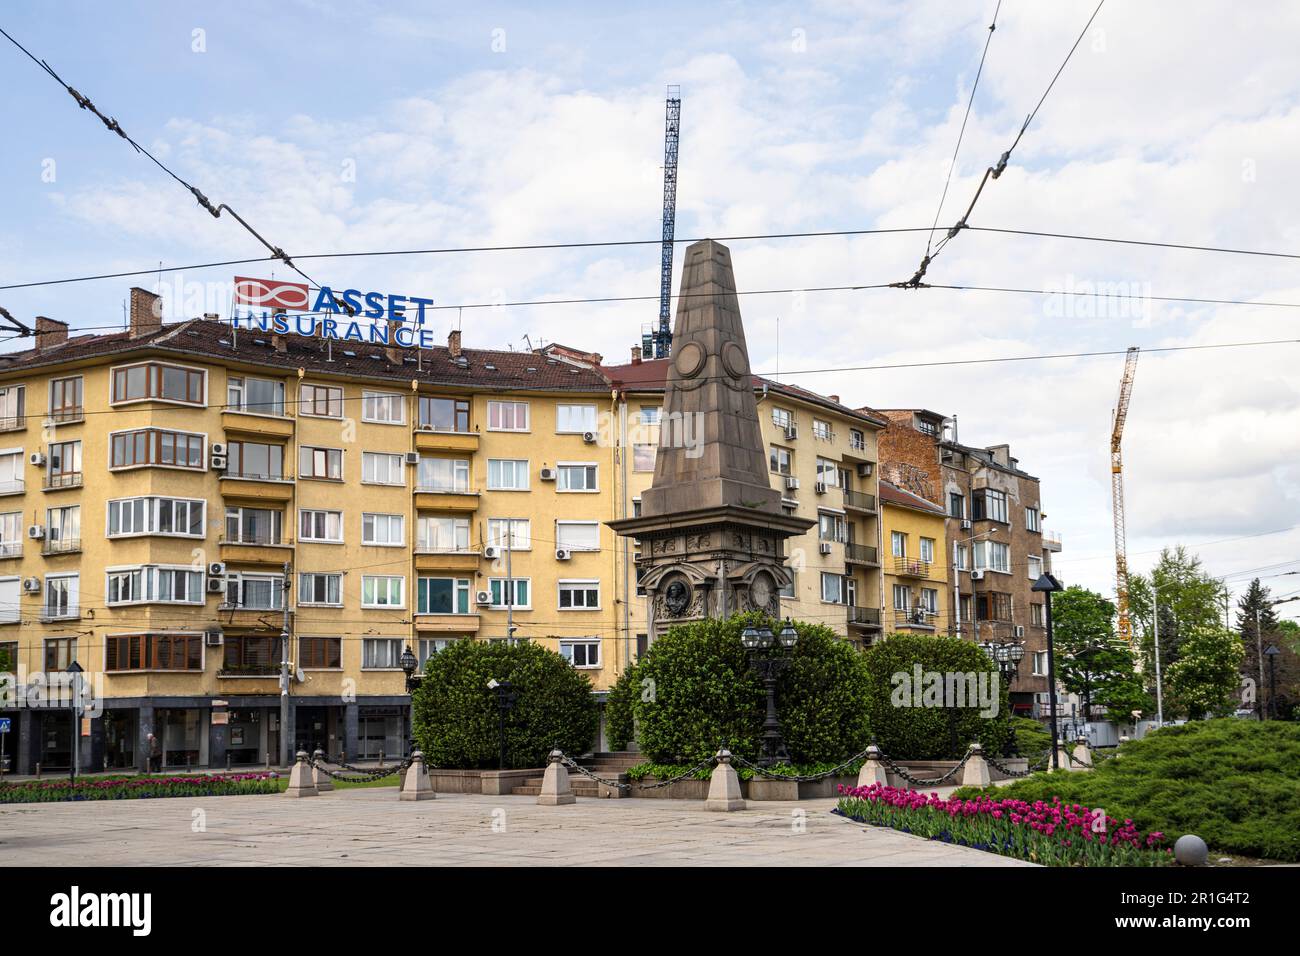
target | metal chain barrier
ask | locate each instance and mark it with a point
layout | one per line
(366, 776)
(635, 785)
(574, 765)
(802, 778)
(928, 781)
(1037, 765)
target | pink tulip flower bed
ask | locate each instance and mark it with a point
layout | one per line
(1053, 834)
(135, 788)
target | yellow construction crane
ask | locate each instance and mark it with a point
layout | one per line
(1117, 490)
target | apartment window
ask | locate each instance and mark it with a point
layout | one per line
(443, 534)
(10, 595)
(927, 550)
(63, 467)
(320, 653)
(321, 401)
(822, 430)
(261, 396)
(160, 652)
(379, 468)
(179, 517)
(993, 606)
(643, 457)
(956, 504)
(252, 654)
(507, 474)
(154, 380)
(1033, 521)
(898, 544)
(13, 407)
(253, 526)
(1035, 567)
(927, 427)
(442, 596)
(832, 527)
(11, 534)
(650, 414)
(516, 532)
(835, 588)
(66, 399)
(575, 418)
(59, 653)
(1036, 615)
(509, 592)
(990, 505)
(383, 530)
(11, 471)
(508, 416)
(381, 653)
(959, 557)
(444, 414)
(154, 446)
(788, 590)
(581, 653)
(432, 645)
(902, 597)
(324, 463)
(828, 472)
(321, 526)
(248, 459)
(383, 590)
(150, 584)
(578, 535)
(8, 656)
(579, 595)
(778, 459)
(1040, 663)
(782, 418)
(63, 529)
(383, 408)
(993, 556)
(255, 592)
(316, 588)
(61, 596)
(930, 600)
(857, 439)
(444, 474)
(965, 604)
(575, 477)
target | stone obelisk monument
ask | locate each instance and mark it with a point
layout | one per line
(711, 528)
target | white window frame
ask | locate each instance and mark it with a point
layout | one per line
(519, 467)
(239, 577)
(327, 575)
(394, 643)
(497, 533)
(401, 578)
(1033, 520)
(459, 466)
(1030, 561)
(459, 586)
(339, 517)
(567, 644)
(150, 584)
(560, 543)
(577, 585)
(242, 407)
(152, 507)
(74, 596)
(369, 398)
(927, 550)
(560, 480)
(389, 519)
(396, 467)
(513, 587)
(499, 405)
(461, 529)
(18, 484)
(560, 409)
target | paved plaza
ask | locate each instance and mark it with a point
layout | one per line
(371, 827)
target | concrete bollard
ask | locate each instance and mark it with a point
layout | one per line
(976, 771)
(556, 791)
(1063, 756)
(724, 786)
(415, 782)
(1082, 755)
(323, 781)
(873, 771)
(300, 781)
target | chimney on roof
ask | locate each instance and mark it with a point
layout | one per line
(834, 398)
(280, 343)
(146, 312)
(50, 332)
(211, 317)
(453, 342)
(636, 355)
(394, 353)
(1001, 454)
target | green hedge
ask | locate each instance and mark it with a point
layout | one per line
(456, 717)
(1234, 783)
(620, 718)
(920, 733)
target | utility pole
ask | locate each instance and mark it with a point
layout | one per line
(509, 587)
(284, 672)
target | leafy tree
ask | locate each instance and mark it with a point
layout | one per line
(1205, 678)
(1257, 623)
(1090, 660)
(1189, 600)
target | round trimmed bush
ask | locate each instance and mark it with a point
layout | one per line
(907, 732)
(456, 721)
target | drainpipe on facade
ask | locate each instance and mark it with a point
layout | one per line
(284, 672)
(621, 410)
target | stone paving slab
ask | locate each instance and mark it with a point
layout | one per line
(371, 827)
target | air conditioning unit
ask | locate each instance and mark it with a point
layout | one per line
(820, 487)
(36, 532)
(977, 575)
(32, 585)
(792, 484)
(424, 428)
(483, 598)
(548, 474)
(791, 432)
(824, 547)
(865, 468)
(217, 569)
(965, 524)
(212, 638)
(217, 448)
(216, 585)
(491, 552)
(589, 437)
(218, 462)
(1020, 630)
(37, 459)
(412, 457)
(563, 554)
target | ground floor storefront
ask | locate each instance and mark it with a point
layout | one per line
(178, 733)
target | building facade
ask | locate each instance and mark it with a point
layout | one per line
(914, 532)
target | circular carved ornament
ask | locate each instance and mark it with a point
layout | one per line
(761, 590)
(689, 360)
(734, 360)
(677, 597)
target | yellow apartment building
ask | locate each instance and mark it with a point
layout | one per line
(916, 577)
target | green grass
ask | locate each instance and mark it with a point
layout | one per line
(1234, 783)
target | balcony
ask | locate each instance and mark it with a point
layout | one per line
(13, 423)
(70, 415)
(257, 549)
(444, 499)
(863, 554)
(1051, 541)
(865, 617)
(250, 670)
(911, 567)
(61, 546)
(446, 623)
(426, 439)
(257, 487)
(256, 424)
(917, 619)
(14, 486)
(61, 480)
(860, 501)
(427, 559)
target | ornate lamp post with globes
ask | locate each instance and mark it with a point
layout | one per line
(769, 655)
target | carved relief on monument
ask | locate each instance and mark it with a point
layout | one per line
(761, 595)
(664, 546)
(699, 542)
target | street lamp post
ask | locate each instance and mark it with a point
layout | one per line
(408, 663)
(768, 658)
(75, 670)
(1047, 585)
(506, 696)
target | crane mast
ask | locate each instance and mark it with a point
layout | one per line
(1117, 491)
(659, 342)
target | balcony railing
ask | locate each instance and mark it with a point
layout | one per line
(61, 546)
(861, 554)
(859, 500)
(13, 486)
(864, 616)
(11, 549)
(67, 416)
(916, 617)
(259, 538)
(13, 423)
(911, 567)
(63, 479)
(1052, 540)
(249, 670)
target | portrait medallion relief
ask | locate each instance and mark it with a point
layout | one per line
(677, 597)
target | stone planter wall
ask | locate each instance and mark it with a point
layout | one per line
(492, 782)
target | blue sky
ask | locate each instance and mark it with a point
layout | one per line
(362, 126)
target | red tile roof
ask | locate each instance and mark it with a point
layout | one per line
(893, 495)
